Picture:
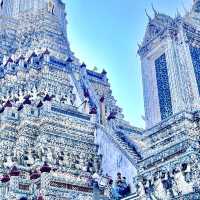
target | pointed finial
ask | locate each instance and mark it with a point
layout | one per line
(154, 10)
(149, 17)
(178, 14)
(139, 45)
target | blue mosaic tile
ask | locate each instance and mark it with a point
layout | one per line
(163, 87)
(195, 54)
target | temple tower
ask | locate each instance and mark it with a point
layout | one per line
(54, 7)
(50, 111)
(35, 25)
(170, 65)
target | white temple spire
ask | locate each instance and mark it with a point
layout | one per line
(147, 14)
(154, 10)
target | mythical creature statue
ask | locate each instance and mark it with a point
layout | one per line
(182, 186)
(51, 7)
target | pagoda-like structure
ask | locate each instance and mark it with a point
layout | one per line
(170, 58)
(62, 135)
(60, 127)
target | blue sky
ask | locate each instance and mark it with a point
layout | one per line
(105, 33)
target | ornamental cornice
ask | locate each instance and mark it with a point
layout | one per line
(169, 32)
(192, 34)
(68, 143)
(148, 47)
(175, 119)
(8, 136)
(8, 126)
(68, 122)
(167, 155)
(72, 134)
(29, 123)
(169, 166)
(65, 134)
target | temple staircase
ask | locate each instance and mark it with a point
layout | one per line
(130, 152)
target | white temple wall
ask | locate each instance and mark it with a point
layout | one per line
(114, 160)
(151, 99)
(189, 76)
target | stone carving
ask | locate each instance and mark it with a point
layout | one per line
(182, 185)
(160, 192)
(51, 6)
